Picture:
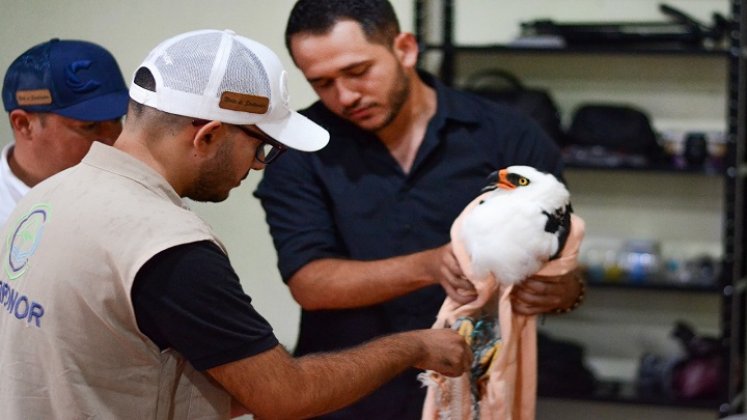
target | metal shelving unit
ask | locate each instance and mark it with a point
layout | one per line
(732, 285)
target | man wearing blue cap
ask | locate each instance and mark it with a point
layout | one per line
(61, 96)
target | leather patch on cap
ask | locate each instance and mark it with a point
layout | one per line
(244, 103)
(34, 97)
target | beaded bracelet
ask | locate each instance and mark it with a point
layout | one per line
(579, 299)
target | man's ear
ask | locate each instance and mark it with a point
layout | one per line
(207, 139)
(20, 122)
(406, 49)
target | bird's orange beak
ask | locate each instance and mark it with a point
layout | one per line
(503, 181)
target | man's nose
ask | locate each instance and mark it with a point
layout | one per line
(345, 94)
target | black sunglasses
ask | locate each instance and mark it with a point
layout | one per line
(269, 148)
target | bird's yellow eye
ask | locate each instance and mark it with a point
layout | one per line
(523, 182)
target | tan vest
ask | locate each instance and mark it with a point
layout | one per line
(70, 347)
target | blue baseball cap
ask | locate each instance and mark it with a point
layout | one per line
(75, 79)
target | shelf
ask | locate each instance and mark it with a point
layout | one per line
(596, 49)
(660, 286)
(730, 169)
(626, 393)
(707, 170)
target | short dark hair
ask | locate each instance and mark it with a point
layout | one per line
(143, 78)
(376, 17)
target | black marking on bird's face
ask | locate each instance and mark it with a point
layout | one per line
(518, 180)
(511, 180)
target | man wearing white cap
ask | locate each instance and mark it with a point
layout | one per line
(116, 301)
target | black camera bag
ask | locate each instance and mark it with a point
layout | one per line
(616, 128)
(504, 87)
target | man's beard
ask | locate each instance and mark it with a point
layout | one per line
(397, 97)
(214, 177)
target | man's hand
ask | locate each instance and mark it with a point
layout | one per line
(451, 277)
(540, 294)
(445, 351)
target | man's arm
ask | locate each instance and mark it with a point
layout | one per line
(332, 283)
(335, 283)
(274, 385)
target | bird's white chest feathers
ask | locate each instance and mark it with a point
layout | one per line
(507, 237)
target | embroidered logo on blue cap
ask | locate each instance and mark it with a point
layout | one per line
(73, 81)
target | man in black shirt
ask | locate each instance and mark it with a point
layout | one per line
(370, 254)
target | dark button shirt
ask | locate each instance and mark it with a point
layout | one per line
(353, 200)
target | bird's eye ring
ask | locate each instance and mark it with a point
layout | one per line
(523, 181)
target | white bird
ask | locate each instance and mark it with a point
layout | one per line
(519, 225)
(511, 231)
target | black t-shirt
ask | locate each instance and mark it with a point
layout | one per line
(190, 299)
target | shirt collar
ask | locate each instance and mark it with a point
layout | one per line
(14, 184)
(450, 103)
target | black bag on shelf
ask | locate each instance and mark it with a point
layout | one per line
(614, 130)
(503, 86)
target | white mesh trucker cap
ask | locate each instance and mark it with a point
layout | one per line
(219, 75)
